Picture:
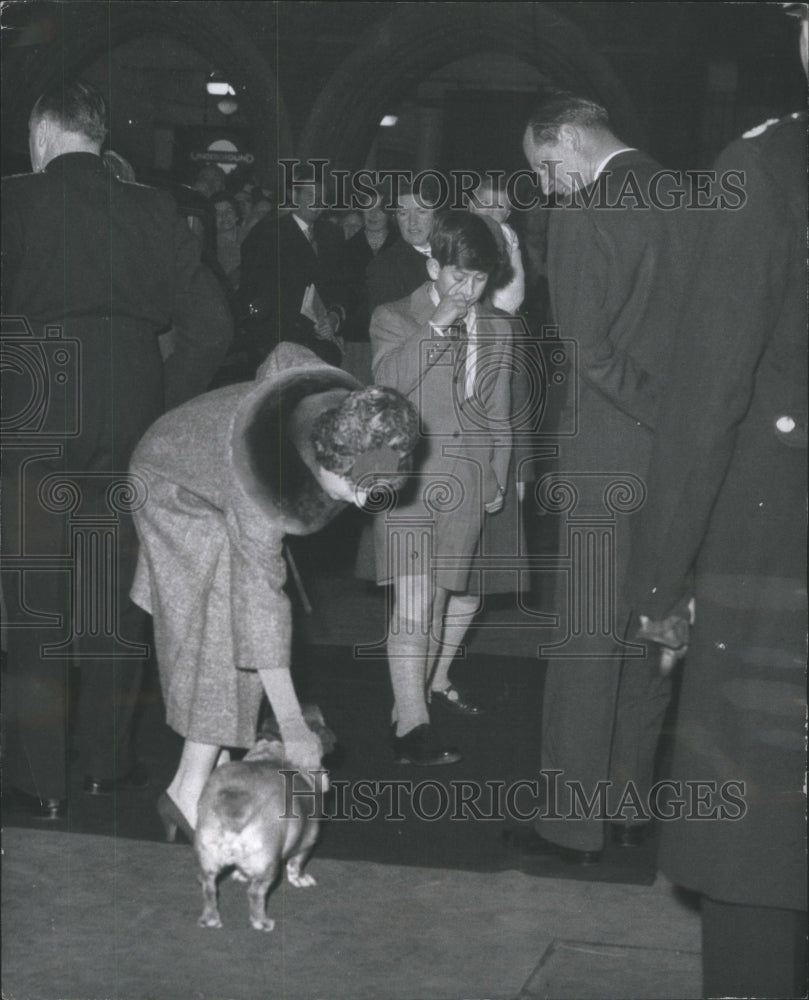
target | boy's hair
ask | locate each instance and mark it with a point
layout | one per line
(561, 107)
(76, 107)
(461, 239)
(377, 422)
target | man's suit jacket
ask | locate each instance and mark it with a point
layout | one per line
(356, 257)
(278, 264)
(394, 273)
(465, 449)
(616, 279)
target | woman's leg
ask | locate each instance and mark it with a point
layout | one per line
(408, 641)
(459, 615)
(196, 763)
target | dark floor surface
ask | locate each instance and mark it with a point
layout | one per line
(339, 664)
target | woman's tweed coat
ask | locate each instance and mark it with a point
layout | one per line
(222, 485)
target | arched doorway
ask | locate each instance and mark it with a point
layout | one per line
(68, 37)
(417, 39)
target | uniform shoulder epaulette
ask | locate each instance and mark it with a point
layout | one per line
(773, 124)
(760, 129)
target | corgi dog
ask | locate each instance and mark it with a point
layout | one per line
(241, 822)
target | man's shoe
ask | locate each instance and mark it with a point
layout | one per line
(138, 777)
(454, 701)
(419, 747)
(46, 809)
(630, 834)
(527, 841)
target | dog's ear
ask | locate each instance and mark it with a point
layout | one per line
(327, 738)
(265, 748)
(313, 717)
(315, 721)
(268, 730)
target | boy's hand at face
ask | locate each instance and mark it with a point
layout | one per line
(452, 308)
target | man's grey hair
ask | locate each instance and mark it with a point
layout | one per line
(561, 107)
(76, 107)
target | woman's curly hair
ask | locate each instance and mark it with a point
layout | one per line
(373, 418)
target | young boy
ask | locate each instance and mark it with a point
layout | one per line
(449, 355)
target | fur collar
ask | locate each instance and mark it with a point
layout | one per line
(266, 461)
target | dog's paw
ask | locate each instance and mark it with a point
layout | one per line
(300, 879)
(262, 923)
(210, 920)
(237, 876)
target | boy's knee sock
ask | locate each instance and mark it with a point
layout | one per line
(459, 616)
(407, 659)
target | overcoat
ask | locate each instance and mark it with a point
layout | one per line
(97, 268)
(616, 273)
(465, 445)
(222, 484)
(727, 502)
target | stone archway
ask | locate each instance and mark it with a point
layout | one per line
(87, 29)
(417, 39)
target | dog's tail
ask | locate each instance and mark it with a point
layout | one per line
(234, 805)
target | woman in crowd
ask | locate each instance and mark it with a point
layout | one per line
(225, 477)
(228, 237)
(375, 235)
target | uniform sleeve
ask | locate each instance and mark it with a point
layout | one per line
(11, 244)
(587, 269)
(202, 322)
(737, 290)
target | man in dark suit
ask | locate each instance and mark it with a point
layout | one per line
(402, 268)
(726, 523)
(282, 256)
(615, 272)
(93, 270)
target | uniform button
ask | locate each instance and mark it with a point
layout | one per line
(785, 424)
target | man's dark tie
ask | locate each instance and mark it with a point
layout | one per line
(309, 233)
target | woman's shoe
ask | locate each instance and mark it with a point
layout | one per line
(173, 818)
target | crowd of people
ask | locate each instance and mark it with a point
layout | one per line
(379, 356)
